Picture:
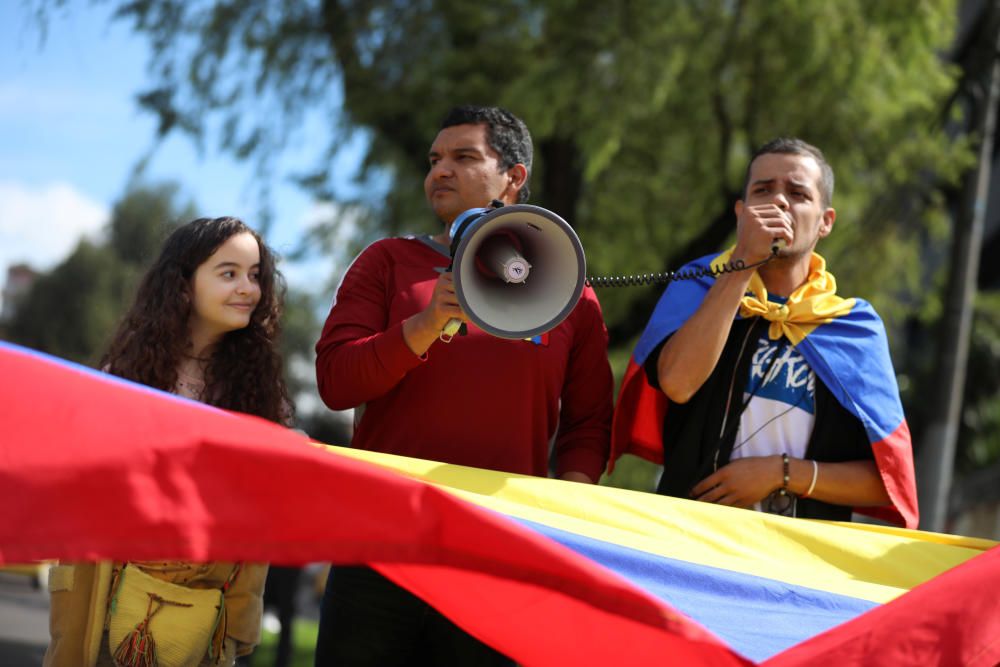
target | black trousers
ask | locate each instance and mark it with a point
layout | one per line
(366, 619)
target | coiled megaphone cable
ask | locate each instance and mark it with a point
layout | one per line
(691, 274)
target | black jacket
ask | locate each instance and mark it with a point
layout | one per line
(694, 446)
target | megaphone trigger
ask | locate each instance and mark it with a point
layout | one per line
(454, 327)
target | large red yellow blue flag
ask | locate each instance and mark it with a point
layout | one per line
(549, 572)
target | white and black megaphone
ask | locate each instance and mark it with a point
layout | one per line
(519, 270)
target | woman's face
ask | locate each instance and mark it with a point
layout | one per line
(226, 288)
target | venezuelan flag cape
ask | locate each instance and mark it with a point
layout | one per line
(549, 572)
(849, 354)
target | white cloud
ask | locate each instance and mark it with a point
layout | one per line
(41, 225)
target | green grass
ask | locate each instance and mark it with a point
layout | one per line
(304, 634)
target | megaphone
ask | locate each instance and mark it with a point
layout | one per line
(519, 269)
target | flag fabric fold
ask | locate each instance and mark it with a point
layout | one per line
(549, 572)
(93, 467)
(762, 583)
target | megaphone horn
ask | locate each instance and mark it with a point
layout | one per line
(519, 269)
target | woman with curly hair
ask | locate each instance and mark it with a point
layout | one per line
(204, 325)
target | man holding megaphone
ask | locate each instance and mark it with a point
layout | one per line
(481, 399)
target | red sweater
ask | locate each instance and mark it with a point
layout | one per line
(479, 400)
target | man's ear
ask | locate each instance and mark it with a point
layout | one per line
(738, 208)
(826, 222)
(517, 176)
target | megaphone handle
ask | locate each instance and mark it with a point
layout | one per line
(454, 326)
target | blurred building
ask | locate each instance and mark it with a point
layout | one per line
(20, 278)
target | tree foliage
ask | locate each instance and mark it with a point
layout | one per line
(979, 439)
(643, 113)
(71, 310)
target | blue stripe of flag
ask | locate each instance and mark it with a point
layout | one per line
(756, 616)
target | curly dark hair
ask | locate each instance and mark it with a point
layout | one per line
(245, 371)
(505, 133)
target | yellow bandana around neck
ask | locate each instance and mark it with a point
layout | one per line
(813, 303)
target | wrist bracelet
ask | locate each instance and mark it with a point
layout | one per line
(784, 475)
(812, 484)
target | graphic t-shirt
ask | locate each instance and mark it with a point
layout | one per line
(780, 397)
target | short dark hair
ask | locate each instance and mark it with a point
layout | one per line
(505, 133)
(795, 146)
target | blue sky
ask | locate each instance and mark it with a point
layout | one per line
(71, 131)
